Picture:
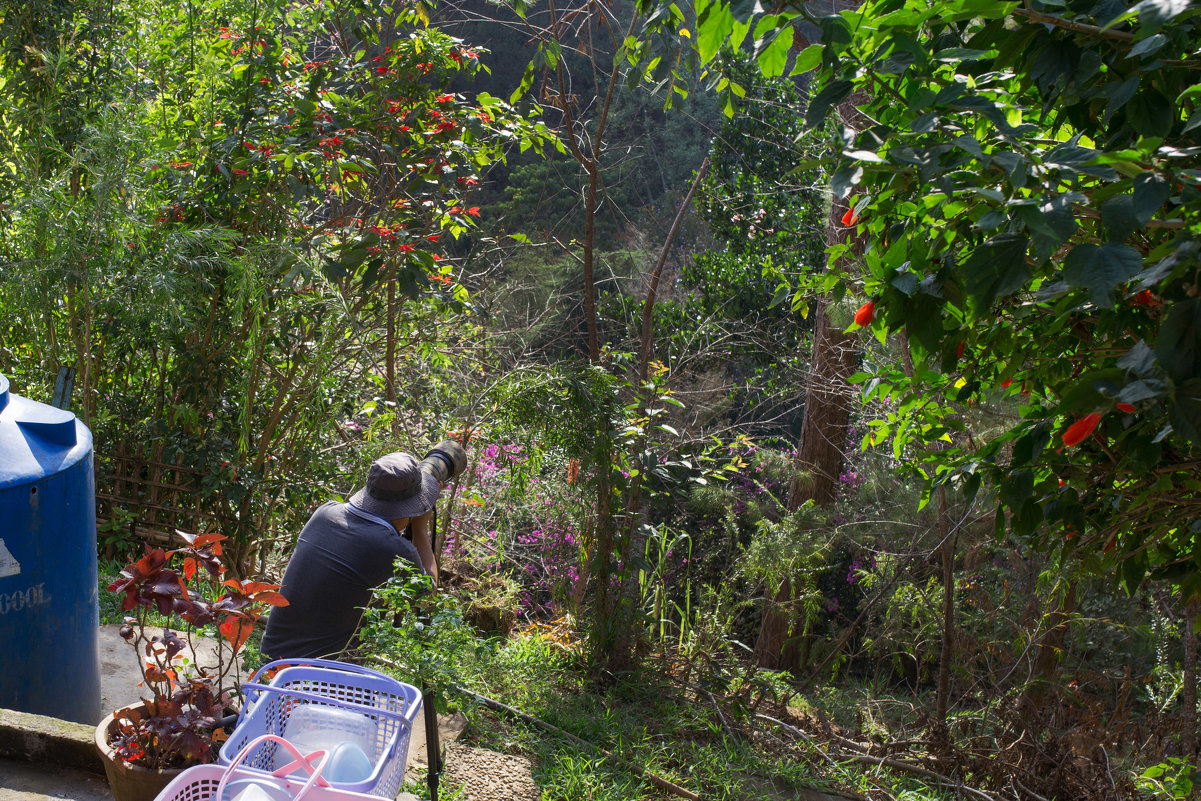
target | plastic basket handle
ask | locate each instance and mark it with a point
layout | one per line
(252, 689)
(300, 759)
(325, 663)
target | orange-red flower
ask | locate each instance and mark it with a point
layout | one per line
(866, 314)
(1126, 407)
(850, 218)
(1080, 429)
(1146, 299)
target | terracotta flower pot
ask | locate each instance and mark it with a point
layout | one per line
(129, 782)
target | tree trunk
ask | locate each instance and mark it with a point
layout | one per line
(1188, 693)
(1047, 653)
(818, 463)
(612, 623)
(390, 349)
(828, 399)
(945, 659)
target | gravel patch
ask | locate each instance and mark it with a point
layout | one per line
(490, 776)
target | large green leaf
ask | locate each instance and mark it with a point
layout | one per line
(845, 179)
(1101, 268)
(743, 10)
(1185, 410)
(1017, 488)
(714, 25)
(773, 58)
(1119, 218)
(1151, 191)
(995, 269)
(831, 95)
(1119, 95)
(1178, 347)
(807, 59)
(1154, 13)
(1150, 113)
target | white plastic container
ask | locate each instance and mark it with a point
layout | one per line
(348, 764)
(255, 790)
(314, 727)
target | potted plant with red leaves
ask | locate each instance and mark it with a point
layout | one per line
(190, 689)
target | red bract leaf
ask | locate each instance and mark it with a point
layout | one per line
(167, 583)
(173, 643)
(850, 218)
(272, 598)
(1126, 407)
(866, 313)
(196, 613)
(1005, 384)
(120, 584)
(151, 563)
(1080, 429)
(960, 348)
(233, 602)
(236, 630)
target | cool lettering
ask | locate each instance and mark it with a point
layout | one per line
(23, 599)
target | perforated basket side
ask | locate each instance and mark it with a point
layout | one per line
(269, 707)
(200, 784)
(369, 689)
(194, 784)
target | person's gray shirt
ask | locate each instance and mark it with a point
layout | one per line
(339, 559)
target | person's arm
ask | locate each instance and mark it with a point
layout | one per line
(424, 545)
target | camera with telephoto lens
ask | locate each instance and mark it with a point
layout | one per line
(446, 461)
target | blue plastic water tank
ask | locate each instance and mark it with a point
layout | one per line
(49, 602)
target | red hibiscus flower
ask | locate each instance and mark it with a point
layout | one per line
(1080, 429)
(865, 314)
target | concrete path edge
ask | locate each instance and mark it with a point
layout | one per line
(36, 738)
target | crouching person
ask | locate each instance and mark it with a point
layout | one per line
(344, 552)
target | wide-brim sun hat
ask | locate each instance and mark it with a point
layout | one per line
(397, 487)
